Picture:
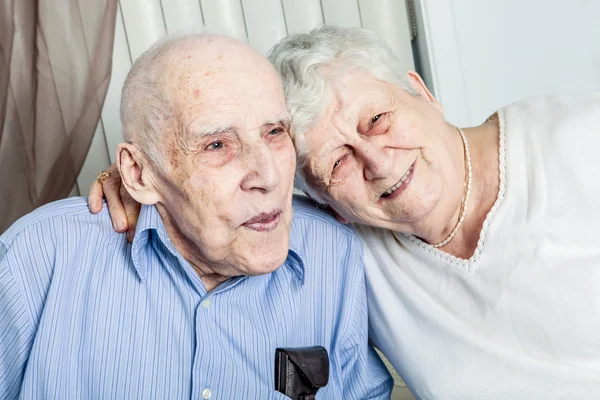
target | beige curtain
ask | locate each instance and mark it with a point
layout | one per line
(55, 65)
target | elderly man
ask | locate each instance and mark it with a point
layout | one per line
(220, 272)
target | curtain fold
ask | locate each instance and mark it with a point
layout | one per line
(55, 66)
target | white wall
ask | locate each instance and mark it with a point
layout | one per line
(485, 54)
(260, 22)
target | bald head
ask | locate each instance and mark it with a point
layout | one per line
(167, 81)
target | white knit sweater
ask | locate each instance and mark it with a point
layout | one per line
(521, 318)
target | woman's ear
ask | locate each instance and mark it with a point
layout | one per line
(419, 86)
(136, 174)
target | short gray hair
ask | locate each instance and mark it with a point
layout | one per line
(307, 63)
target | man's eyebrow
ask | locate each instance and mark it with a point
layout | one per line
(200, 131)
(192, 134)
(284, 121)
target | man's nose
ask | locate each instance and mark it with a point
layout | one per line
(263, 174)
(377, 162)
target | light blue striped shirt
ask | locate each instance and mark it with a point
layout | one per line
(85, 315)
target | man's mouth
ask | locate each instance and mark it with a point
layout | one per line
(264, 222)
(400, 185)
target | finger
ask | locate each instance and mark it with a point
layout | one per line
(112, 193)
(95, 197)
(132, 212)
(131, 233)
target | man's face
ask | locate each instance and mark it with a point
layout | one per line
(378, 154)
(228, 188)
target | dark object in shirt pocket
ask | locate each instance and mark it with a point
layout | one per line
(301, 372)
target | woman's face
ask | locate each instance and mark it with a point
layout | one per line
(379, 156)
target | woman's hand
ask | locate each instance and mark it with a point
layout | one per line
(124, 210)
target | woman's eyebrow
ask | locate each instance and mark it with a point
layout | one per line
(326, 148)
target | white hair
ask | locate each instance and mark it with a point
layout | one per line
(147, 107)
(309, 63)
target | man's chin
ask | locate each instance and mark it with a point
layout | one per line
(266, 259)
(264, 270)
(264, 267)
(263, 252)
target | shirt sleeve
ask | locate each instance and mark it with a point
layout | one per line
(364, 374)
(16, 331)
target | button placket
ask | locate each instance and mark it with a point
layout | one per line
(204, 329)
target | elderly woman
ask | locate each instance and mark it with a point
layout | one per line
(482, 245)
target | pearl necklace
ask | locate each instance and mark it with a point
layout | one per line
(467, 190)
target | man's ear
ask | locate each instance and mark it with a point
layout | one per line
(419, 86)
(136, 174)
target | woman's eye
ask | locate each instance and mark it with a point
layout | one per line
(215, 145)
(341, 168)
(375, 119)
(275, 131)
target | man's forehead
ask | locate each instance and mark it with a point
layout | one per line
(226, 96)
(220, 84)
(212, 122)
(214, 90)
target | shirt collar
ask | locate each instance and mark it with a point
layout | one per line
(149, 220)
(295, 262)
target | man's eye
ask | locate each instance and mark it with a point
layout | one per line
(215, 145)
(337, 163)
(275, 131)
(375, 119)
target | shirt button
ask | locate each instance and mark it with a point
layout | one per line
(206, 393)
(206, 304)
